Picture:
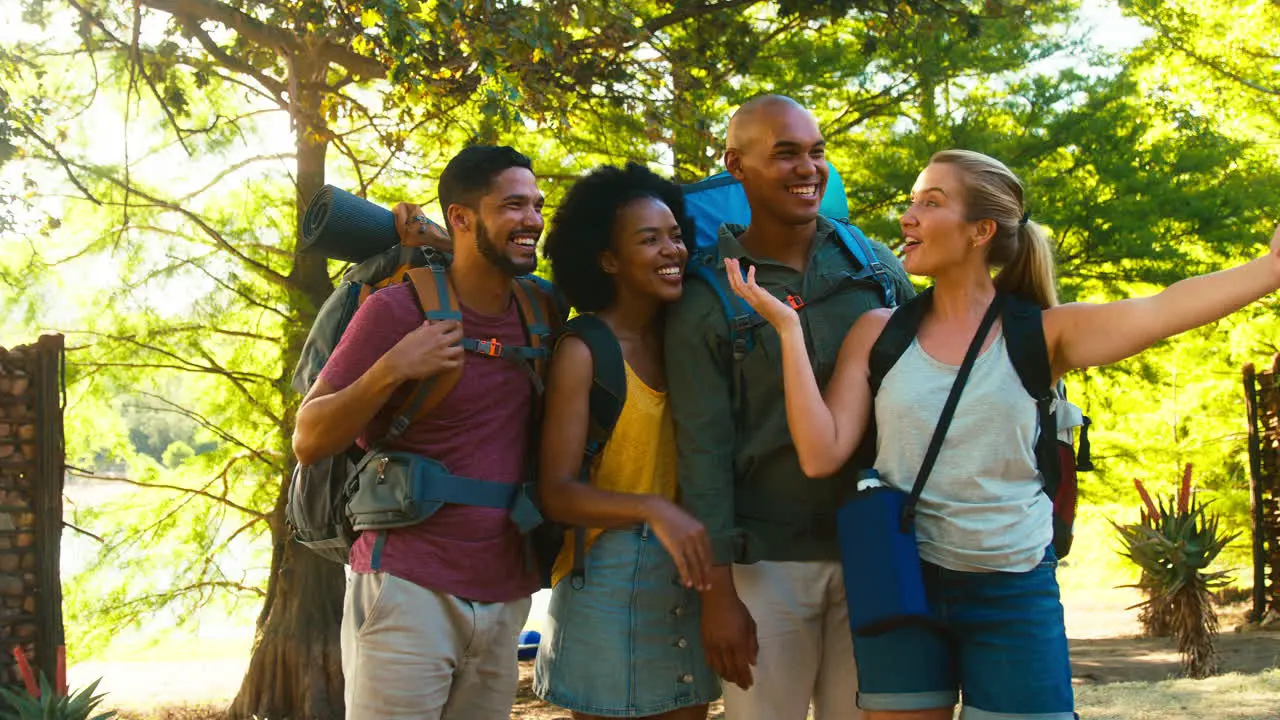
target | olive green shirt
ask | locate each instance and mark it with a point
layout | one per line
(738, 469)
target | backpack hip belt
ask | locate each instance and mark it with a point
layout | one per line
(395, 489)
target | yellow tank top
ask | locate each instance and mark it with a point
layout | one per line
(640, 457)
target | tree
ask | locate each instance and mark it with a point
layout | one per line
(1218, 54)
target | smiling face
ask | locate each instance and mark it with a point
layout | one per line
(936, 227)
(508, 222)
(778, 153)
(646, 255)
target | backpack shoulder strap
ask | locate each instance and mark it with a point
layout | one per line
(896, 337)
(608, 374)
(1029, 353)
(1024, 337)
(434, 293)
(608, 395)
(860, 249)
(537, 313)
(740, 316)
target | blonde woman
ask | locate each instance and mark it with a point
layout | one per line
(984, 526)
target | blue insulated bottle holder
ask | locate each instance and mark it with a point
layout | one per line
(883, 578)
(889, 587)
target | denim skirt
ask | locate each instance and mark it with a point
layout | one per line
(628, 643)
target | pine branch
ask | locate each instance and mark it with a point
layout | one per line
(185, 364)
(1168, 34)
(190, 13)
(58, 158)
(237, 166)
(207, 424)
(176, 488)
(264, 271)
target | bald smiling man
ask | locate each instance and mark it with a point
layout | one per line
(774, 623)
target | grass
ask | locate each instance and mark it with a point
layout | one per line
(1225, 697)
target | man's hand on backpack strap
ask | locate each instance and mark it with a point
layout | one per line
(431, 349)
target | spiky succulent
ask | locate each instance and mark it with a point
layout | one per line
(1173, 544)
(52, 705)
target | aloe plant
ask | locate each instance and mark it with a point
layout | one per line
(49, 704)
(1173, 544)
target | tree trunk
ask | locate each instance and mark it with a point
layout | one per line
(296, 668)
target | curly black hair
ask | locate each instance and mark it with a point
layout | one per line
(583, 227)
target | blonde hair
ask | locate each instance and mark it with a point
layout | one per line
(1019, 247)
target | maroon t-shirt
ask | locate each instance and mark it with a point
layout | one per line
(479, 430)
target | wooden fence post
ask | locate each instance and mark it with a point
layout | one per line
(47, 487)
(1255, 496)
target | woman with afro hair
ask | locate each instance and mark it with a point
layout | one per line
(626, 641)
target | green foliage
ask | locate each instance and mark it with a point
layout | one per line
(51, 705)
(1219, 55)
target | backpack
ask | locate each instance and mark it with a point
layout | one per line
(607, 396)
(323, 497)
(720, 199)
(1024, 338)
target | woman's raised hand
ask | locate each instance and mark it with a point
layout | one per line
(779, 314)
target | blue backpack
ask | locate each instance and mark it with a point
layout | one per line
(720, 199)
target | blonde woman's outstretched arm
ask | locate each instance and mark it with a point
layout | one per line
(1083, 335)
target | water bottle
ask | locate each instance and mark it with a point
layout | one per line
(868, 479)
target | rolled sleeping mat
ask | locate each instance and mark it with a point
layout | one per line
(343, 226)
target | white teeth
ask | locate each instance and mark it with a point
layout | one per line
(804, 190)
(669, 271)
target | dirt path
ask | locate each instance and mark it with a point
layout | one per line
(1094, 661)
(1104, 649)
(1130, 659)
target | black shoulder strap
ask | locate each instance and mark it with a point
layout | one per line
(608, 375)
(1024, 336)
(1029, 353)
(896, 337)
(608, 394)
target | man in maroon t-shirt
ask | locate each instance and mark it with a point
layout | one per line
(430, 621)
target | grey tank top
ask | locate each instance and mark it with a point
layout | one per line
(982, 508)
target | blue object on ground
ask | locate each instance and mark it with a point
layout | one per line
(528, 645)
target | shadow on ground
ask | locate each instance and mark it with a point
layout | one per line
(1129, 659)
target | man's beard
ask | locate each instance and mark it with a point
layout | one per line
(498, 258)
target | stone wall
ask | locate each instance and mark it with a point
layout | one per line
(31, 479)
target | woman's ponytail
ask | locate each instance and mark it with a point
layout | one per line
(1029, 273)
